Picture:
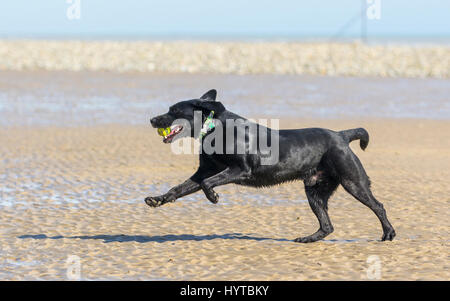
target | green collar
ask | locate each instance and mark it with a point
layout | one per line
(208, 125)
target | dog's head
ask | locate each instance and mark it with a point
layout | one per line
(181, 116)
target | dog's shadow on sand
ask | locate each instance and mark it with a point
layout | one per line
(157, 238)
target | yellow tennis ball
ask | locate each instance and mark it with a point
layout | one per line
(164, 131)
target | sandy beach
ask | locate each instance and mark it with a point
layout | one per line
(78, 157)
(319, 58)
(79, 191)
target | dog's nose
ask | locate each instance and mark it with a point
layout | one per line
(153, 121)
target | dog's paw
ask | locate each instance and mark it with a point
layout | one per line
(388, 235)
(154, 201)
(215, 199)
(305, 239)
(212, 196)
(319, 235)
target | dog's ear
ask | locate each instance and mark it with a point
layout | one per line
(210, 95)
(208, 106)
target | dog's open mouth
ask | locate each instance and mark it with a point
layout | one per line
(174, 130)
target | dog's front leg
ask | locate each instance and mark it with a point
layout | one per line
(226, 176)
(188, 187)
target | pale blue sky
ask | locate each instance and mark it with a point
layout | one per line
(221, 18)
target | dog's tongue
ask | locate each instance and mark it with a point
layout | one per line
(167, 139)
(169, 133)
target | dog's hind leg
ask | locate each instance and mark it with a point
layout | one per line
(356, 182)
(318, 196)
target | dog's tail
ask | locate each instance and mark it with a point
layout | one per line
(354, 134)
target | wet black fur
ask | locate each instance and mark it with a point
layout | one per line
(320, 157)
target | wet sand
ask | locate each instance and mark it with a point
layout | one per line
(79, 191)
(73, 184)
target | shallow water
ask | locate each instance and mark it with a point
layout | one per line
(72, 99)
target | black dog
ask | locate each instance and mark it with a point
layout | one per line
(320, 157)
